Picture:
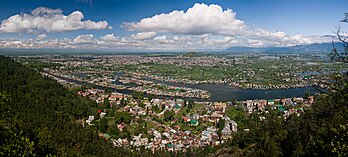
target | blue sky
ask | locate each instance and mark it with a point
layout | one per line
(295, 21)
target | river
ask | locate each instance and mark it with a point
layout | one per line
(221, 92)
(225, 92)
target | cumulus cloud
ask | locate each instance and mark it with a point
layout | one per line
(198, 20)
(84, 39)
(49, 20)
(109, 37)
(202, 27)
(203, 20)
(162, 39)
(167, 42)
(144, 35)
(41, 36)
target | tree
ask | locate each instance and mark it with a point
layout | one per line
(138, 95)
(123, 117)
(343, 38)
(103, 124)
(113, 131)
(125, 134)
(340, 56)
(155, 109)
(191, 104)
(106, 103)
(110, 112)
(145, 128)
(234, 101)
(13, 143)
(169, 115)
(4, 108)
(307, 94)
(150, 97)
(339, 142)
(123, 103)
(220, 125)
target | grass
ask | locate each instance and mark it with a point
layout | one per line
(151, 125)
(198, 107)
(111, 121)
(237, 114)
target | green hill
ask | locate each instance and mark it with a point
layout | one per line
(39, 117)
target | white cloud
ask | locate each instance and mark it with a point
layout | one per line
(204, 20)
(41, 36)
(162, 39)
(198, 20)
(163, 42)
(109, 37)
(49, 20)
(85, 39)
(200, 28)
(144, 35)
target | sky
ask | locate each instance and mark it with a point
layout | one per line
(167, 25)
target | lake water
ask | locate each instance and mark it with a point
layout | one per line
(225, 92)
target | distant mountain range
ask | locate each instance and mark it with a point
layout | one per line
(311, 48)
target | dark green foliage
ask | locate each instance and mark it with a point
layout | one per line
(125, 134)
(220, 125)
(169, 115)
(113, 130)
(106, 103)
(40, 65)
(138, 95)
(103, 124)
(155, 109)
(41, 116)
(145, 128)
(14, 142)
(317, 129)
(191, 104)
(123, 117)
(320, 131)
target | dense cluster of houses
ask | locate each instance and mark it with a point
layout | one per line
(286, 105)
(174, 138)
(170, 137)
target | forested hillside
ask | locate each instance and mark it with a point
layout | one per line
(40, 117)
